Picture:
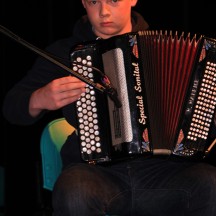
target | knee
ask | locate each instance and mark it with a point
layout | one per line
(73, 181)
(83, 182)
(205, 179)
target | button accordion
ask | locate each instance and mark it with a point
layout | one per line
(166, 83)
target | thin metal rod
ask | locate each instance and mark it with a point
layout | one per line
(47, 56)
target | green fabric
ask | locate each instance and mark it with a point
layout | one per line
(52, 139)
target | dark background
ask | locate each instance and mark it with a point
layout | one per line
(40, 23)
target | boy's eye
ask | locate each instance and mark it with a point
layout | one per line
(92, 2)
(114, 1)
(97, 1)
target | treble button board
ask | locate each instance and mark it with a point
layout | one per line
(205, 105)
(87, 110)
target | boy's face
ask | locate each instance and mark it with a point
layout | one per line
(109, 17)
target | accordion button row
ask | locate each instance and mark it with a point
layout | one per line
(87, 110)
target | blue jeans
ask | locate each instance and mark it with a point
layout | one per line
(140, 187)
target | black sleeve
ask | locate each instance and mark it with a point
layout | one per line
(16, 101)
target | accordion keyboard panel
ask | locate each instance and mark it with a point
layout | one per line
(203, 112)
(88, 119)
(205, 105)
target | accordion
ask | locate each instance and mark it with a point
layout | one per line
(166, 84)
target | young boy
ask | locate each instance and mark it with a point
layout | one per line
(143, 186)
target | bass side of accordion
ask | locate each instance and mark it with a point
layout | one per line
(166, 84)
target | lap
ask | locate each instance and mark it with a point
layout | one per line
(142, 185)
(143, 173)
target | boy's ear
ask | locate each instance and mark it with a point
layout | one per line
(83, 3)
(133, 3)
